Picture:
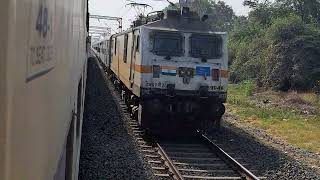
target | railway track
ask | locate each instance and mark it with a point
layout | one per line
(200, 158)
(193, 158)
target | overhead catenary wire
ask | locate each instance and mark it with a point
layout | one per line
(140, 8)
(171, 3)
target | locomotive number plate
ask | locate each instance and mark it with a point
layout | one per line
(40, 57)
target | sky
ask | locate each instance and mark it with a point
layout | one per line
(118, 8)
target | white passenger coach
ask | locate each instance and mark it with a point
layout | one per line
(42, 85)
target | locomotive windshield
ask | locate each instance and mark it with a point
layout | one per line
(167, 44)
(206, 46)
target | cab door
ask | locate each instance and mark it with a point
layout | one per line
(134, 51)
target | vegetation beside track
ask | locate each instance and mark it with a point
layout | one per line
(291, 116)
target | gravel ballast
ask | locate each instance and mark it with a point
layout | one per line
(269, 162)
(107, 150)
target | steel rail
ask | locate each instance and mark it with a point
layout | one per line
(244, 172)
(169, 162)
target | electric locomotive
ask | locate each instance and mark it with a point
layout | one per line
(172, 70)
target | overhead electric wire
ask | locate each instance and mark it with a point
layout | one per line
(171, 3)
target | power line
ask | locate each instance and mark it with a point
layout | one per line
(110, 18)
(139, 7)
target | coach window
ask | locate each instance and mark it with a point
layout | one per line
(138, 43)
(125, 49)
(115, 46)
(110, 48)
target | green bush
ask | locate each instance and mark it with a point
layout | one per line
(283, 56)
(248, 87)
(295, 54)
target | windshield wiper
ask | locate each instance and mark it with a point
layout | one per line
(203, 59)
(168, 57)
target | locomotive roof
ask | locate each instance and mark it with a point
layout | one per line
(180, 25)
(176, 24)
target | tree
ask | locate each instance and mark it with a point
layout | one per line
(251, 3)
(285, 54)
(221, 16)
(308, 10)
(255, 3)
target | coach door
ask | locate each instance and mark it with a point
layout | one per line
(134, 51)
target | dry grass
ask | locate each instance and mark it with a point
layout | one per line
(311, 98)
(296, 98)
(294, 117)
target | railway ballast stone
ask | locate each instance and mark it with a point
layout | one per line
(107, 151)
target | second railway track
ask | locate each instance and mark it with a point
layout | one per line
(187, 158)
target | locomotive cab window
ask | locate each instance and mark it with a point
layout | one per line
(167, 44)
(206, 46)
